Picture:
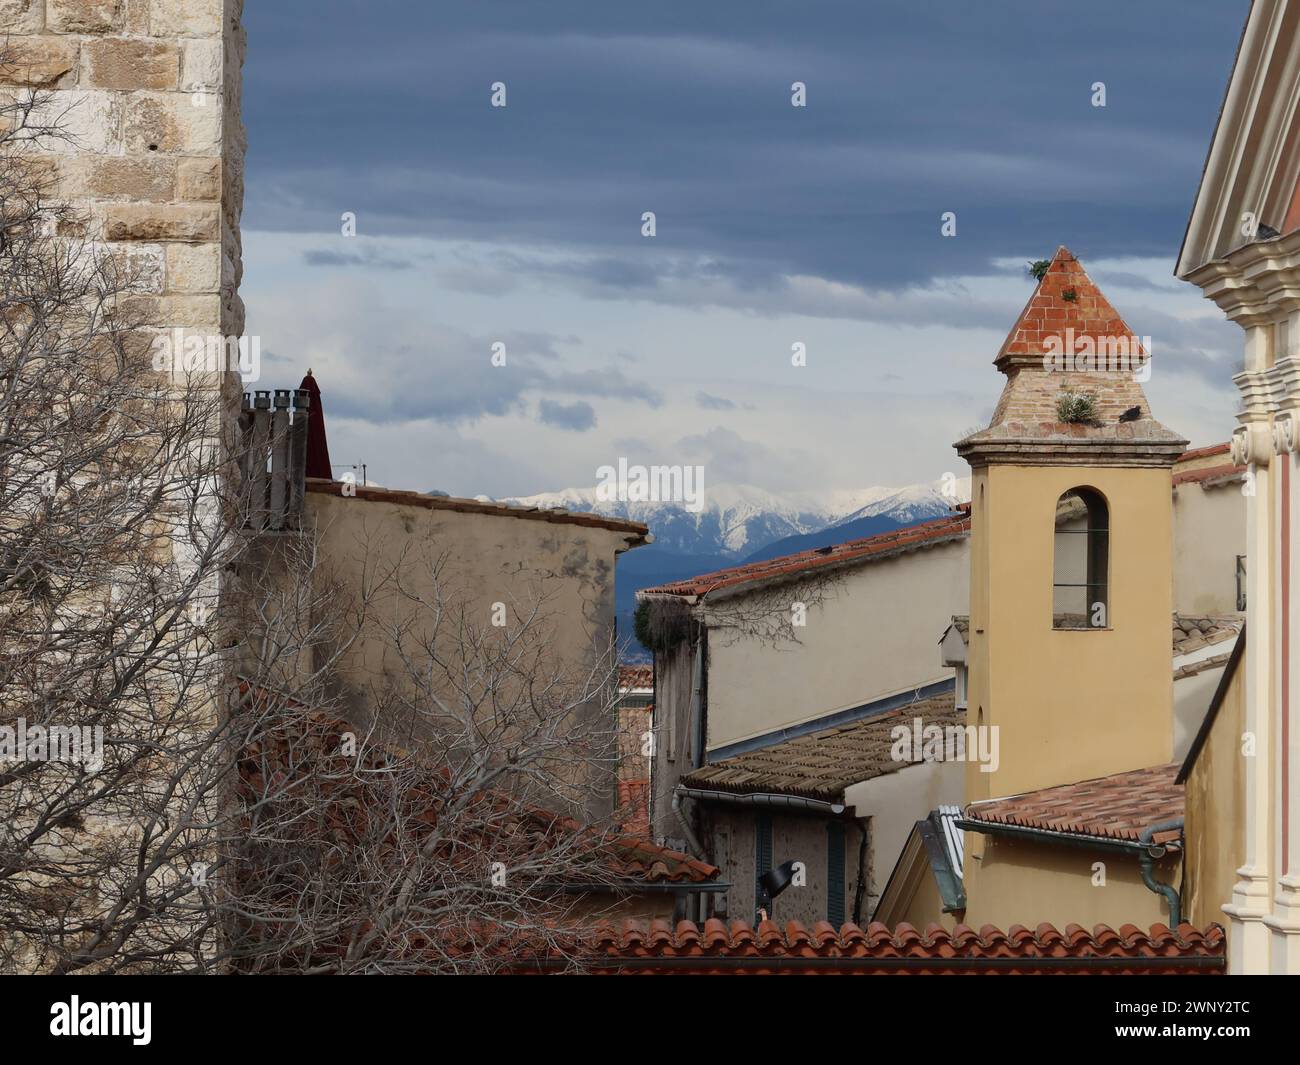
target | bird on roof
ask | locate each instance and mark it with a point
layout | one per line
(1266, 232)
(1131, 415)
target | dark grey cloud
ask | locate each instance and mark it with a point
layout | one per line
(913, 109)
(578, 417)
(350, 259)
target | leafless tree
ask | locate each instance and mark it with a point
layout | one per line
(191, 777)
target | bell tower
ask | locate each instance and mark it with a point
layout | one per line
(1071, 549)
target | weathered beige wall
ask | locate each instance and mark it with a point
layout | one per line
(894, 803)
(1216, 810)
(1069, 704)
(875, 634)
(1025, 882)
(1209, 532)
(490, 558)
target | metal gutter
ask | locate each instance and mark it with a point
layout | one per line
(1048, 835)
(771, 800)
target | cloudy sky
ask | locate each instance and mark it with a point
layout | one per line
(775, 225)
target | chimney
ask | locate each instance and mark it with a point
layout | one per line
(273, 457)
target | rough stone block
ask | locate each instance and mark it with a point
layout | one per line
(171, 122)
(130, 221)
(132, 178)
(193, 267)
(37, 61)
(21, 16)
(185, 18)
(130, 64)
(199, 179)
(83, 16)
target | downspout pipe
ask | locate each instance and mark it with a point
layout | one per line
(1146, 862)
(678, 794)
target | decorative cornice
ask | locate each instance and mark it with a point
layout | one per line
(984, 449)
(1261, 393)
(1256, 283)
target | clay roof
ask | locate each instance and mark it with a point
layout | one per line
(866, 549)
(310, 740)
(1207, 475)
(637, 532)
(821, 765)
(1192, 633)
(1051, 311)
(1194, 454)
(1117, 807)
(658, 947)
(630, 677)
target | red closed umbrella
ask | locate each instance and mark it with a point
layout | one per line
(318, 451)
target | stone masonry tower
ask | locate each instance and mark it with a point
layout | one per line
(150, 89)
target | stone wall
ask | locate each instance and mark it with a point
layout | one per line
(150, 90)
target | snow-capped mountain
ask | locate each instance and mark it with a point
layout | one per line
(737, 521)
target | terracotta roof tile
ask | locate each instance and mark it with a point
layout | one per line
(312, 739)
(630, 677)
(1192, 633)
(1116, 807)
(822, 764)
(1226, 472)
(866, 549)
(657, 947)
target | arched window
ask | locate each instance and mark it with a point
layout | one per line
(1081, 561)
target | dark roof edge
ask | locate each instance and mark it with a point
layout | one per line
(841, 717)
(1220, 693)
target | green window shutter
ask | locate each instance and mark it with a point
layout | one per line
(835, 873)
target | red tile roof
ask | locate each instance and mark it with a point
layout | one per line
(1050, 312)
(630, 677)
(1116, 807)
(1192, 454)
(866, 549)
(280, 755)
(638, 533)
(637, 948)
(1208, 473)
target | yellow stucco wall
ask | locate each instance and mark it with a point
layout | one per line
(1070, 705)
(1024, 882)
(1216, 799)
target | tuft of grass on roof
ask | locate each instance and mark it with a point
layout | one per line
(1074, 407)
